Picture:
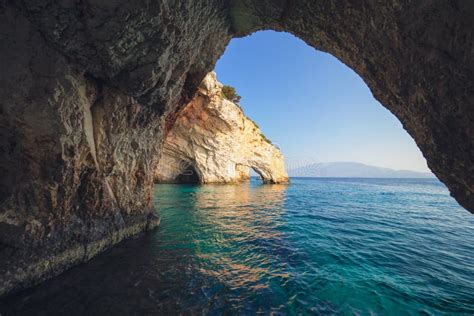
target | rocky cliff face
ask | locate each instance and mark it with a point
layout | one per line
(213, 139)
(75, 166)
(86, 85)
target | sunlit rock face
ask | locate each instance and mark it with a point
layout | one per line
(89, 89)
(214, 139)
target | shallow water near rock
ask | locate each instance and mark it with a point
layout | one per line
(316, 246)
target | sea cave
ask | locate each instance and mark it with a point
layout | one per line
(90, 92)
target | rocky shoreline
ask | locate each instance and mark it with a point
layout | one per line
(20, 269)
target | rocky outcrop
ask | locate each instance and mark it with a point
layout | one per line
(85, 86)
(75, 169)
(212, 141)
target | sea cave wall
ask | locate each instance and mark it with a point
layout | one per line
(78, 152)
(88, 91)
(213, 138)
(76, 174)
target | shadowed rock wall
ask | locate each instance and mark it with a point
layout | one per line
(88, 90)
(76, 175)
(78, 152)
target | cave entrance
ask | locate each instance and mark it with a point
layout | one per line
(188, 176)
(351, 127)
(257, 174)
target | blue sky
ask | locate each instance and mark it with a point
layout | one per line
(312, 105)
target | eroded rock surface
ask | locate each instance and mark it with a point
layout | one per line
(85, 86)
(75, 166)
(214, 139)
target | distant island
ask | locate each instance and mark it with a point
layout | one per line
(354, 170)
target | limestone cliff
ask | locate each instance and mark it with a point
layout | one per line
(212, 138)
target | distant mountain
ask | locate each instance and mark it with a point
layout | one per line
(353, 170)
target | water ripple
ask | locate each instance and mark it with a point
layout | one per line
(317, 246)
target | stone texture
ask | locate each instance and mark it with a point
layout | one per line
(76, 174)
(214, 139)
(88, 90)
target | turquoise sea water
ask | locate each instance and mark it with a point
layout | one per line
(316, 246)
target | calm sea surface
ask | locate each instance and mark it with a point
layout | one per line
(316, 246)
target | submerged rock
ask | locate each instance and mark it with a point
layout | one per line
(212, 141)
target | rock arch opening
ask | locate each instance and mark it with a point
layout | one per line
(294, 94)
(188, 176)
(408, 57)
(258, 174)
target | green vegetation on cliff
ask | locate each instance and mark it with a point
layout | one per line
(230, 94)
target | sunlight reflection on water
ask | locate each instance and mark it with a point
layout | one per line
(324, 246)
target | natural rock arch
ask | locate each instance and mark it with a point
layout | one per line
(214, 135)
(415, 56)
(88, 90)
(259, 173)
